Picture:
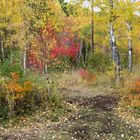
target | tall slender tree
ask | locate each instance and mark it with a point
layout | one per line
(130, 48)
(115, 52)
(92, 27)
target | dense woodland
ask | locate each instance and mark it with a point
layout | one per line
(49, 46)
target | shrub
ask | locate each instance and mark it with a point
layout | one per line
(88, 76)
(83, 73)
(11, 66)
(59, 64)
(13, 91)
(124, 58)
(21, 97)
(137, 86)
(22, 94)
(99, 61)
(133, 97)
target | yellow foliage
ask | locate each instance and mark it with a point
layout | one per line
(135, 103)
(27, 86)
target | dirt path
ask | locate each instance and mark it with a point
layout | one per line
(95, 120)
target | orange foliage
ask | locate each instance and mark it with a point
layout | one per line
(137, 86)
(134, 94)
(91, 78)
(15, 76)
(16, 87)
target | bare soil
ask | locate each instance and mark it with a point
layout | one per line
(95, 119)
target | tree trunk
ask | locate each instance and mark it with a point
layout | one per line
(112, 41)
(45, 68)
(115, 52)
(2, 49)
(130, 48)
(7, 52)
(11, 50)
(118, 67)
(10, 101)
(79, 55)
(24, 60)
(46, 74)
(44, 50)
(92, 29)
(84, 51)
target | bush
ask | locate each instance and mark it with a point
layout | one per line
(59, 64)
(20, 98)
(124, 58)
(8, 67)
(133, 97)
(3, 109)
(23, 94)
(99, 61)
(13, 65)
(89, 77)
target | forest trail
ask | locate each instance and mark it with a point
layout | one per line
(94, 120)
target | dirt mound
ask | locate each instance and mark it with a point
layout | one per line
(104, 103)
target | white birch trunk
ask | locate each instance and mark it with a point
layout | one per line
(130, 48)
(112, 40)
(92, 28)
(115, 53)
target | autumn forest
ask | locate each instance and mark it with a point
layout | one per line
(69, 69)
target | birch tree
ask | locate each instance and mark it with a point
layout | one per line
(130, 48)
(128, 16)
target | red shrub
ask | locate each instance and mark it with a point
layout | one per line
(70, 52)
(83, 73)
(88, 76)
(34, 61)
